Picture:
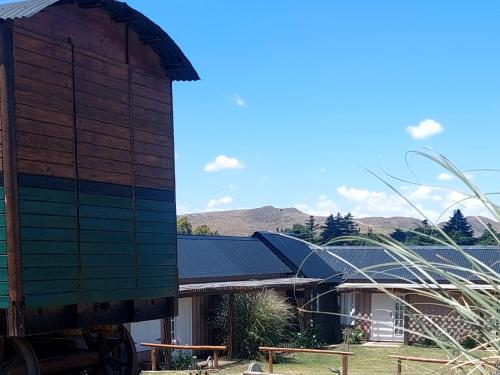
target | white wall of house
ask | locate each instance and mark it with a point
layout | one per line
(183, 322)
(148, 331)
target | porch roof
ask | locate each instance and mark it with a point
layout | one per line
(246, 285)
(409, 286)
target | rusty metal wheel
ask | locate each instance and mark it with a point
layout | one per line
(117, 351)
(17, 357)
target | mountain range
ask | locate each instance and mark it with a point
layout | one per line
(269, 218)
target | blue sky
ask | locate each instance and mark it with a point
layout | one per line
(306, 94)
(297, 98)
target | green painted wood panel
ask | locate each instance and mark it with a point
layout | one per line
(154, 227)
(155, 260)
(48, 260)
(106, 213)
(155, 238)
(50, 273)
(109, 283)
(105, 200)
(108, 260)
(49, 234)
(106, 236)
(46, 195)
(152, 205)
(108, 224)
(156, 281)
(155, 216)
(152, 271)
(167, 249)
(50, 208)
(48, 221)
(107, 272)
(45, 247)
(106, 248)
(3, 246)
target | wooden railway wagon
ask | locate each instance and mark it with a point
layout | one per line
(87, 223)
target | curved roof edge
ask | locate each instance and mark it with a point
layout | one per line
(175, 63)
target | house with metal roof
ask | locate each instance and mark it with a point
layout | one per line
(211, 266)
(359, 272)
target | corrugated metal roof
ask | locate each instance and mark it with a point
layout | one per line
(299, 256)
(218, 258)
(382, 265)
(174, 61)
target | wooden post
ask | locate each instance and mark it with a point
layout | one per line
(399, 367)
(345, 364)
(270, 362)
(153, 359)
(216, 359)
(232, 327)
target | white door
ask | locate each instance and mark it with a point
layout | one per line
(387, 319)
(183, 323)
(149, 331)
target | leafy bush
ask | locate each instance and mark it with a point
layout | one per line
(262, 319)
(353, 335)
(308, 338)
(182, 360)
(469, 343)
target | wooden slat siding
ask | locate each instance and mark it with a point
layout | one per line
(44, 107)
(156, 242)
(48, 226)
(143, 58)
(106, 247)
(4, 296)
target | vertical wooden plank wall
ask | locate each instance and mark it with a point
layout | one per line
(95, 161)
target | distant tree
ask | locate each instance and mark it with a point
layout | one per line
(184, 226)
(330, 229)
(423, 235)
(487, 237)
(339, 226)
(311, 224)
(300, 231)
(204, 230)
(348, 226)
(459, 229)
(399, 235)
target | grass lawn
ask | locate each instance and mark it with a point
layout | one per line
(366, 361)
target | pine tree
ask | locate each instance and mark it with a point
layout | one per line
(487, 237)
(459, 229)
(300, 231)
(311, 224)
(330, 228)
(399, 235)
(422, 235)
(348, 226)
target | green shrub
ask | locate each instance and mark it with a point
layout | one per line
(308, 338)
(182, 360)
(469, 343)
(262, 319)
(353, 335)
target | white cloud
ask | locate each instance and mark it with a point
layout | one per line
(214, 203)
(182, 210)
(425, 129)
(322, 207)
(238, 101)
(322, 170)
(222, 162)
(445, 177)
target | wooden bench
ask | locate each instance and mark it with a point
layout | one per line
(271, 350)
(490, 361)
(155, 347)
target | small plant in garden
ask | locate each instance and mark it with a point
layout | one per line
(353, 335)
(308, 338)
(182, 360)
